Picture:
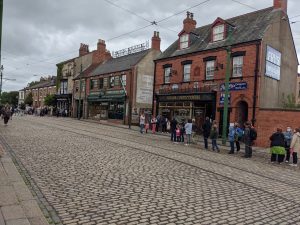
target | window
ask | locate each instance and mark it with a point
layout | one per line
(63, 87)
(237, 66)
(105, 82)
(101, 83)
(117, 80)
(184, 41)
(124, 80)
(93, 84)
(111, 82)
(167, 75)
(186, 73)
(210, 68)
(218, 33)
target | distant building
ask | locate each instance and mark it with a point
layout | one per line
(21, 97)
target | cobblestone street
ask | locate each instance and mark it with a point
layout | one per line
(87, 173)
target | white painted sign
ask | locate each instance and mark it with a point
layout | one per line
(273, 63)
(144, 89)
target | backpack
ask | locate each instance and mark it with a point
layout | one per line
(253, 134)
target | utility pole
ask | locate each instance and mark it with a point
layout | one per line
(79, 102)
(1, 17)
(227, 77)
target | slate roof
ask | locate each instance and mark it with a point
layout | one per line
(248, 27)
(44, 83)
(119, 64)
(87, 71)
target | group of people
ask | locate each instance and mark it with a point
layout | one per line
(155, 124)
(284, 145)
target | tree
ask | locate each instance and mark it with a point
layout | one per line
(50, 100)
(10, 98)
(29, 100)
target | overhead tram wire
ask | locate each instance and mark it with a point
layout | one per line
(249, 6)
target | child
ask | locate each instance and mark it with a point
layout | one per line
(178, 133)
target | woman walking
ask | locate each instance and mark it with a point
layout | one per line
(295, 146)
(277, 146)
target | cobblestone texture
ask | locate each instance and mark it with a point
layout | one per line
(96, 174)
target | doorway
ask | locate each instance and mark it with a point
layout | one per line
(242, 112)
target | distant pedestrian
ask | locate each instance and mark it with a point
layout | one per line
(295, 146)
(238, 136)
(142, 123)
(231, 138)
(178, 133)
(288, 135)
(173, 126)
(6, 114)
(250, 135)
(146, 123)
(158, 118)
(188, 130)
(163, 124)
(153, 124)
(277, 146)
(214, 133)
(206, 127)
(182, 132)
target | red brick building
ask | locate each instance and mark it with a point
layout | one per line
(190, 74)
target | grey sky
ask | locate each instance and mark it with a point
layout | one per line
(37, 34)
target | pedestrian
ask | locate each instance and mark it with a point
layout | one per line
(173, 125)
(153, 124)
(178, 133)
(277, 146)
(214, 133)
(288, 135)
(206, 127)
(182, 132)
(295, 146)
(146, 123)
(250, 135)
(238, 136)
(158, 122)
(188, 131)
(231, 138)
(163, 124)
(6, 114)
(168, 125)
(142, 123)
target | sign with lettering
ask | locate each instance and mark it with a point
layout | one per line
(144, 89)
(273, 63)
(238, 86)
(171, 98)
(222, 98)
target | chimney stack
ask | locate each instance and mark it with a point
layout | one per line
(280, 4)
(189, 23)
(155, 41)
(84, 49)
(101, 46)
(101, 54)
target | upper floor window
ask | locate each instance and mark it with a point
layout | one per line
(124, 80)
(218, 32)
(184, 41)
(187, 73)
(63, 87)
(111, 82)
(93, 84)
(210, 69)
(167, 75)
(237, 66)
(117, 81)
(101, 83)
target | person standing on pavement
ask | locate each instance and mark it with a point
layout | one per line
(214, 133)
(158, 122)
(249, 136)
(277, 146)
(188, 131)
(231, 138)
(288, 135)
(206, 127)
(6, 114)
(153, 124)
(238, 136)
(295, 146)
(173, 126)
(163, 124)
(142, 123)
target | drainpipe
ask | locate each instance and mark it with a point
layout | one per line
(153, 94)
(255, 84)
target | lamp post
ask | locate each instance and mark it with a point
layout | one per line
(227, 77)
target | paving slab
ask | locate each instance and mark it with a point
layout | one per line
(13, 212)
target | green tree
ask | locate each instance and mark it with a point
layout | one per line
(50, 100)
(10, 98)
(28, 99)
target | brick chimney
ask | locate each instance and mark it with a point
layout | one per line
(189, 23)
(101, 54)
(155, 41)
(280, 4)
(84, 49)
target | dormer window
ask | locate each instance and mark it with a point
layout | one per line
(218, 32)
(184, 41)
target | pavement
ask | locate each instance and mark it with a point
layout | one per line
(89, 173)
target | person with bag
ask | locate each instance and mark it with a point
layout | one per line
(277, 146)
(295, 146)
(288, 135)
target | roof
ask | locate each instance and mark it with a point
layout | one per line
(120, 63)
(87, 71)
(44, 83)
(249, 27)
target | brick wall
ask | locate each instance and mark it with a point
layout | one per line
(270, 119)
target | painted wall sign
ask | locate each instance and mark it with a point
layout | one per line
(238, 86)
(273, 63)
(144, 89)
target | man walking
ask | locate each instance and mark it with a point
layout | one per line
(206, 127)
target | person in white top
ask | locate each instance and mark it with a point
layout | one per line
(142, 123)
(188, 131)
(295, 146)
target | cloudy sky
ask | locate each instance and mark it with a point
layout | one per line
(37, 34)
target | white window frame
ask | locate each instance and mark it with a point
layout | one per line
(219, 32)
(184, 41)
(210, 70)
(187, 72)
(124, 80)
(237, 66)
(167, 75)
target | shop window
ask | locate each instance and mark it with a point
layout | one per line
(187, 73)
(101, 83)
(218, 32)
(167, 75)
(210, 69)
(123, 80)
(111, 82)
(237, 66)
(184, 41)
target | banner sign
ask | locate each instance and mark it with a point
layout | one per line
(273, 63)
(238, 86)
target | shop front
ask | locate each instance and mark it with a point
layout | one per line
(187, 106)
(64, 103)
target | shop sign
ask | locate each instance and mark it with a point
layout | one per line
(237, 86)
(115, 92)
(185, 97)
(222, 98)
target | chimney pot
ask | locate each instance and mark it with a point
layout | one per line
(189, 23)
(155, 41)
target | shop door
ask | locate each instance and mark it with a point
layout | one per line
(199, 115)
(221, 122)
